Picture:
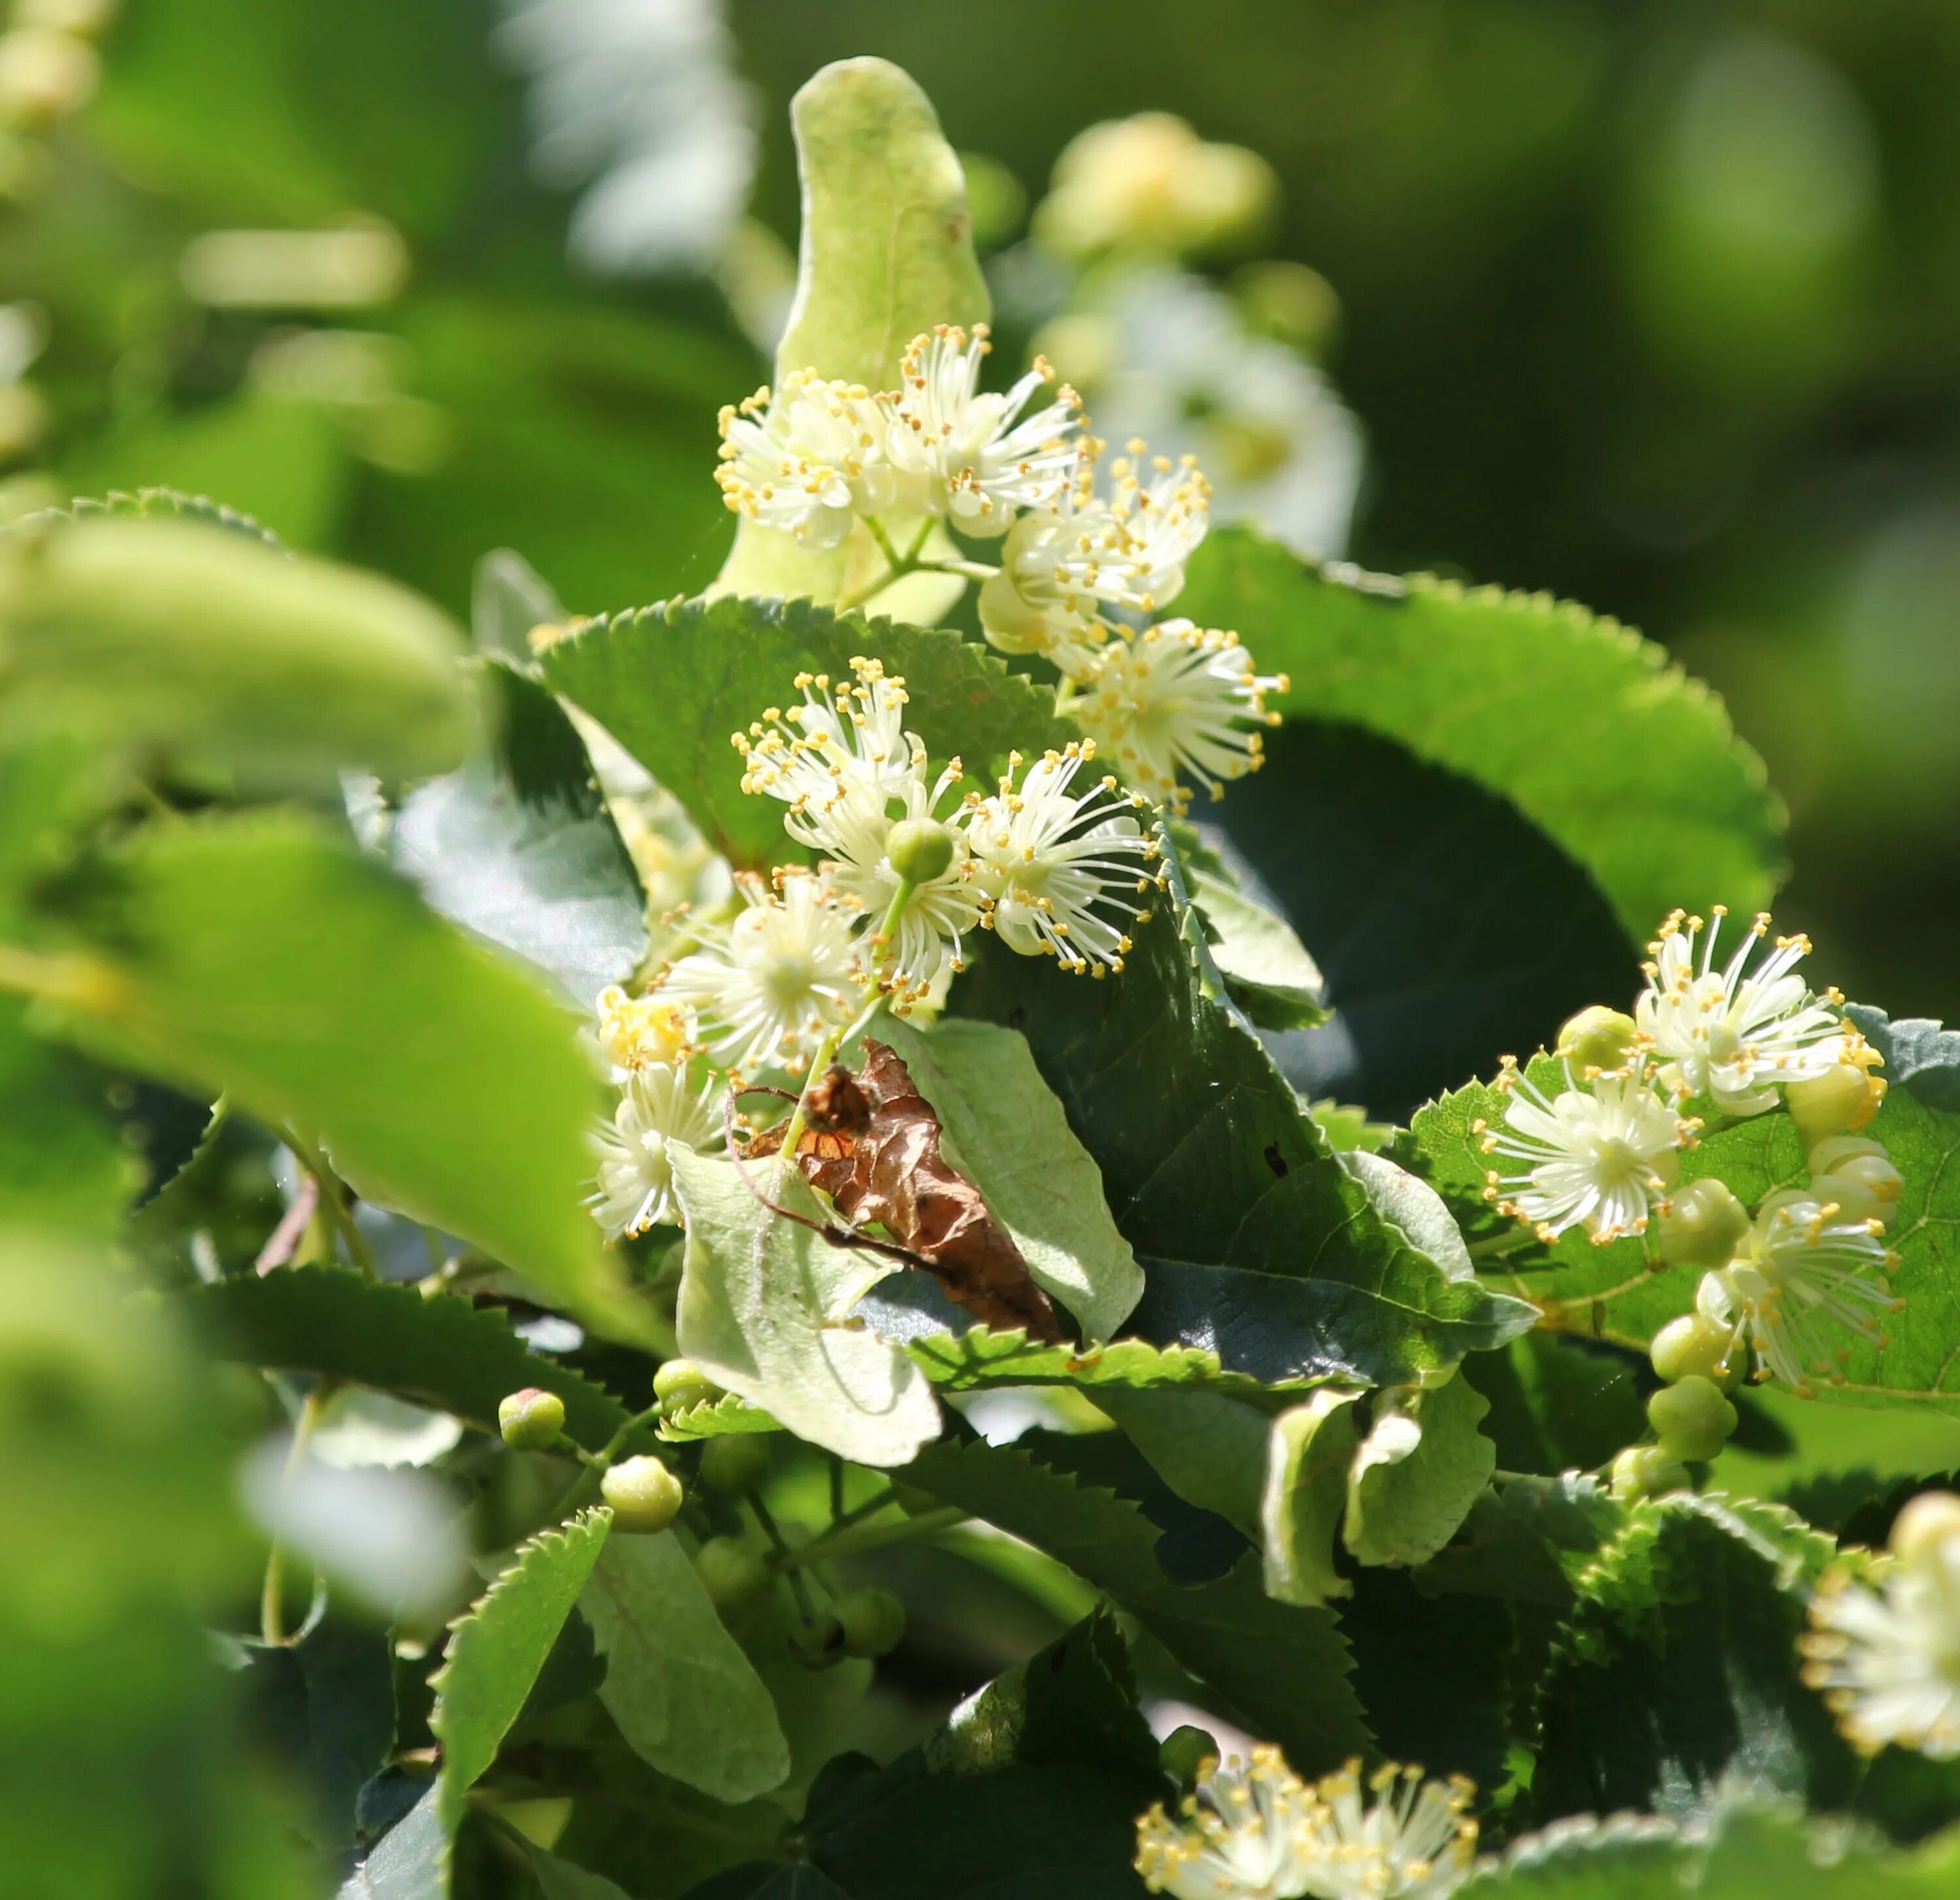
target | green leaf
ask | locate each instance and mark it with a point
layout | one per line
(327, 1705)
(684, 1695)
(1399, 875)
(1049, 1765)
(978, 1358)
(257, 956)
(1633, 770)
(764, 1310)
(1257, 1241)
(1278, 1671)
(1005, 1131)
(1530, 1539)
(495, 1651)
(1208, 1446)
(1405, 1499)
(410, 1862)
(1267, 969)
(715, 1418)
(1311, 1451)
(65, 1172)
(886, 253)
(162, 632)
(561, 1880)
(673, 683)
(1690, 1616)
(154, 505)
(519, 848)
(440, 1350)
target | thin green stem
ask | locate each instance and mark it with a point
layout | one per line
(860, 1537)
(82, 980)
(843, 1520)
(271, 1595)
(1498, 1244)
(332, 1204)
(782, 1558)
(585, 1486)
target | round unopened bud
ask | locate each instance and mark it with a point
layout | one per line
(1863, 1187)
(1703, 1225)
(1824, 1105)
(1646, 1471)
(1694, 1346)
(531, 1420)
(1928, 1524)
(919, 849)
(818, 1641)
(729, 1571)
(1827, 1156)
(645, 1496)
(1692, 1419)
(1597, 1038)
(873, 1622)
(680, 1383)
(734, 1466)
(1188, 1754)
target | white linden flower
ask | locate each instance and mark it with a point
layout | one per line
(850, 774)
(1178, 698)
(635, 1188)
(767, 986)
(634, 1031)
(806, 460)
(1801, 1275)
(1600, 1155)
(1049, 861)
(1062, 564)
(1412, 1843)
(1246, 1834)
(1889, 1662)
(1732, 1034)
(958, 450)
(1261, 1833)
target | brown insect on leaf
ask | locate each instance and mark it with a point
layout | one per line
(872, 1144)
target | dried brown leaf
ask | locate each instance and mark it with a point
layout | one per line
(872, 1144)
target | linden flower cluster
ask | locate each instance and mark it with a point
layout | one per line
(1260, 1832)
(1081, 570)
(1603, 1154)
(1887, 1660)
(1053, 862)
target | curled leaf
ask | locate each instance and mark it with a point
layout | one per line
(873, 1144)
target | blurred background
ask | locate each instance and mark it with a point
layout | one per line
(1651, 303)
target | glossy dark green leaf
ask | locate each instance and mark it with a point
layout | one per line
(1281, 1671)
(440, 1350)
(1401, 877)
(1633, 769)
(1257, 1242)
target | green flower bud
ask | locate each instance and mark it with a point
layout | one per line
(919, 849)
(1188, 1754)
(730, 1572)
(1646, 1471)
(1703, 1226)
(1864, 1187)
(680, 1383)
(531, 1420)
(873, 1622)
(1825, 1105)
(1691, 1418)
(1827, 1156)
(645, 1496)
(734, 1466)
(1696, 1347)
(818, 1641)
(1597, 1038)
(1925, 1524)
